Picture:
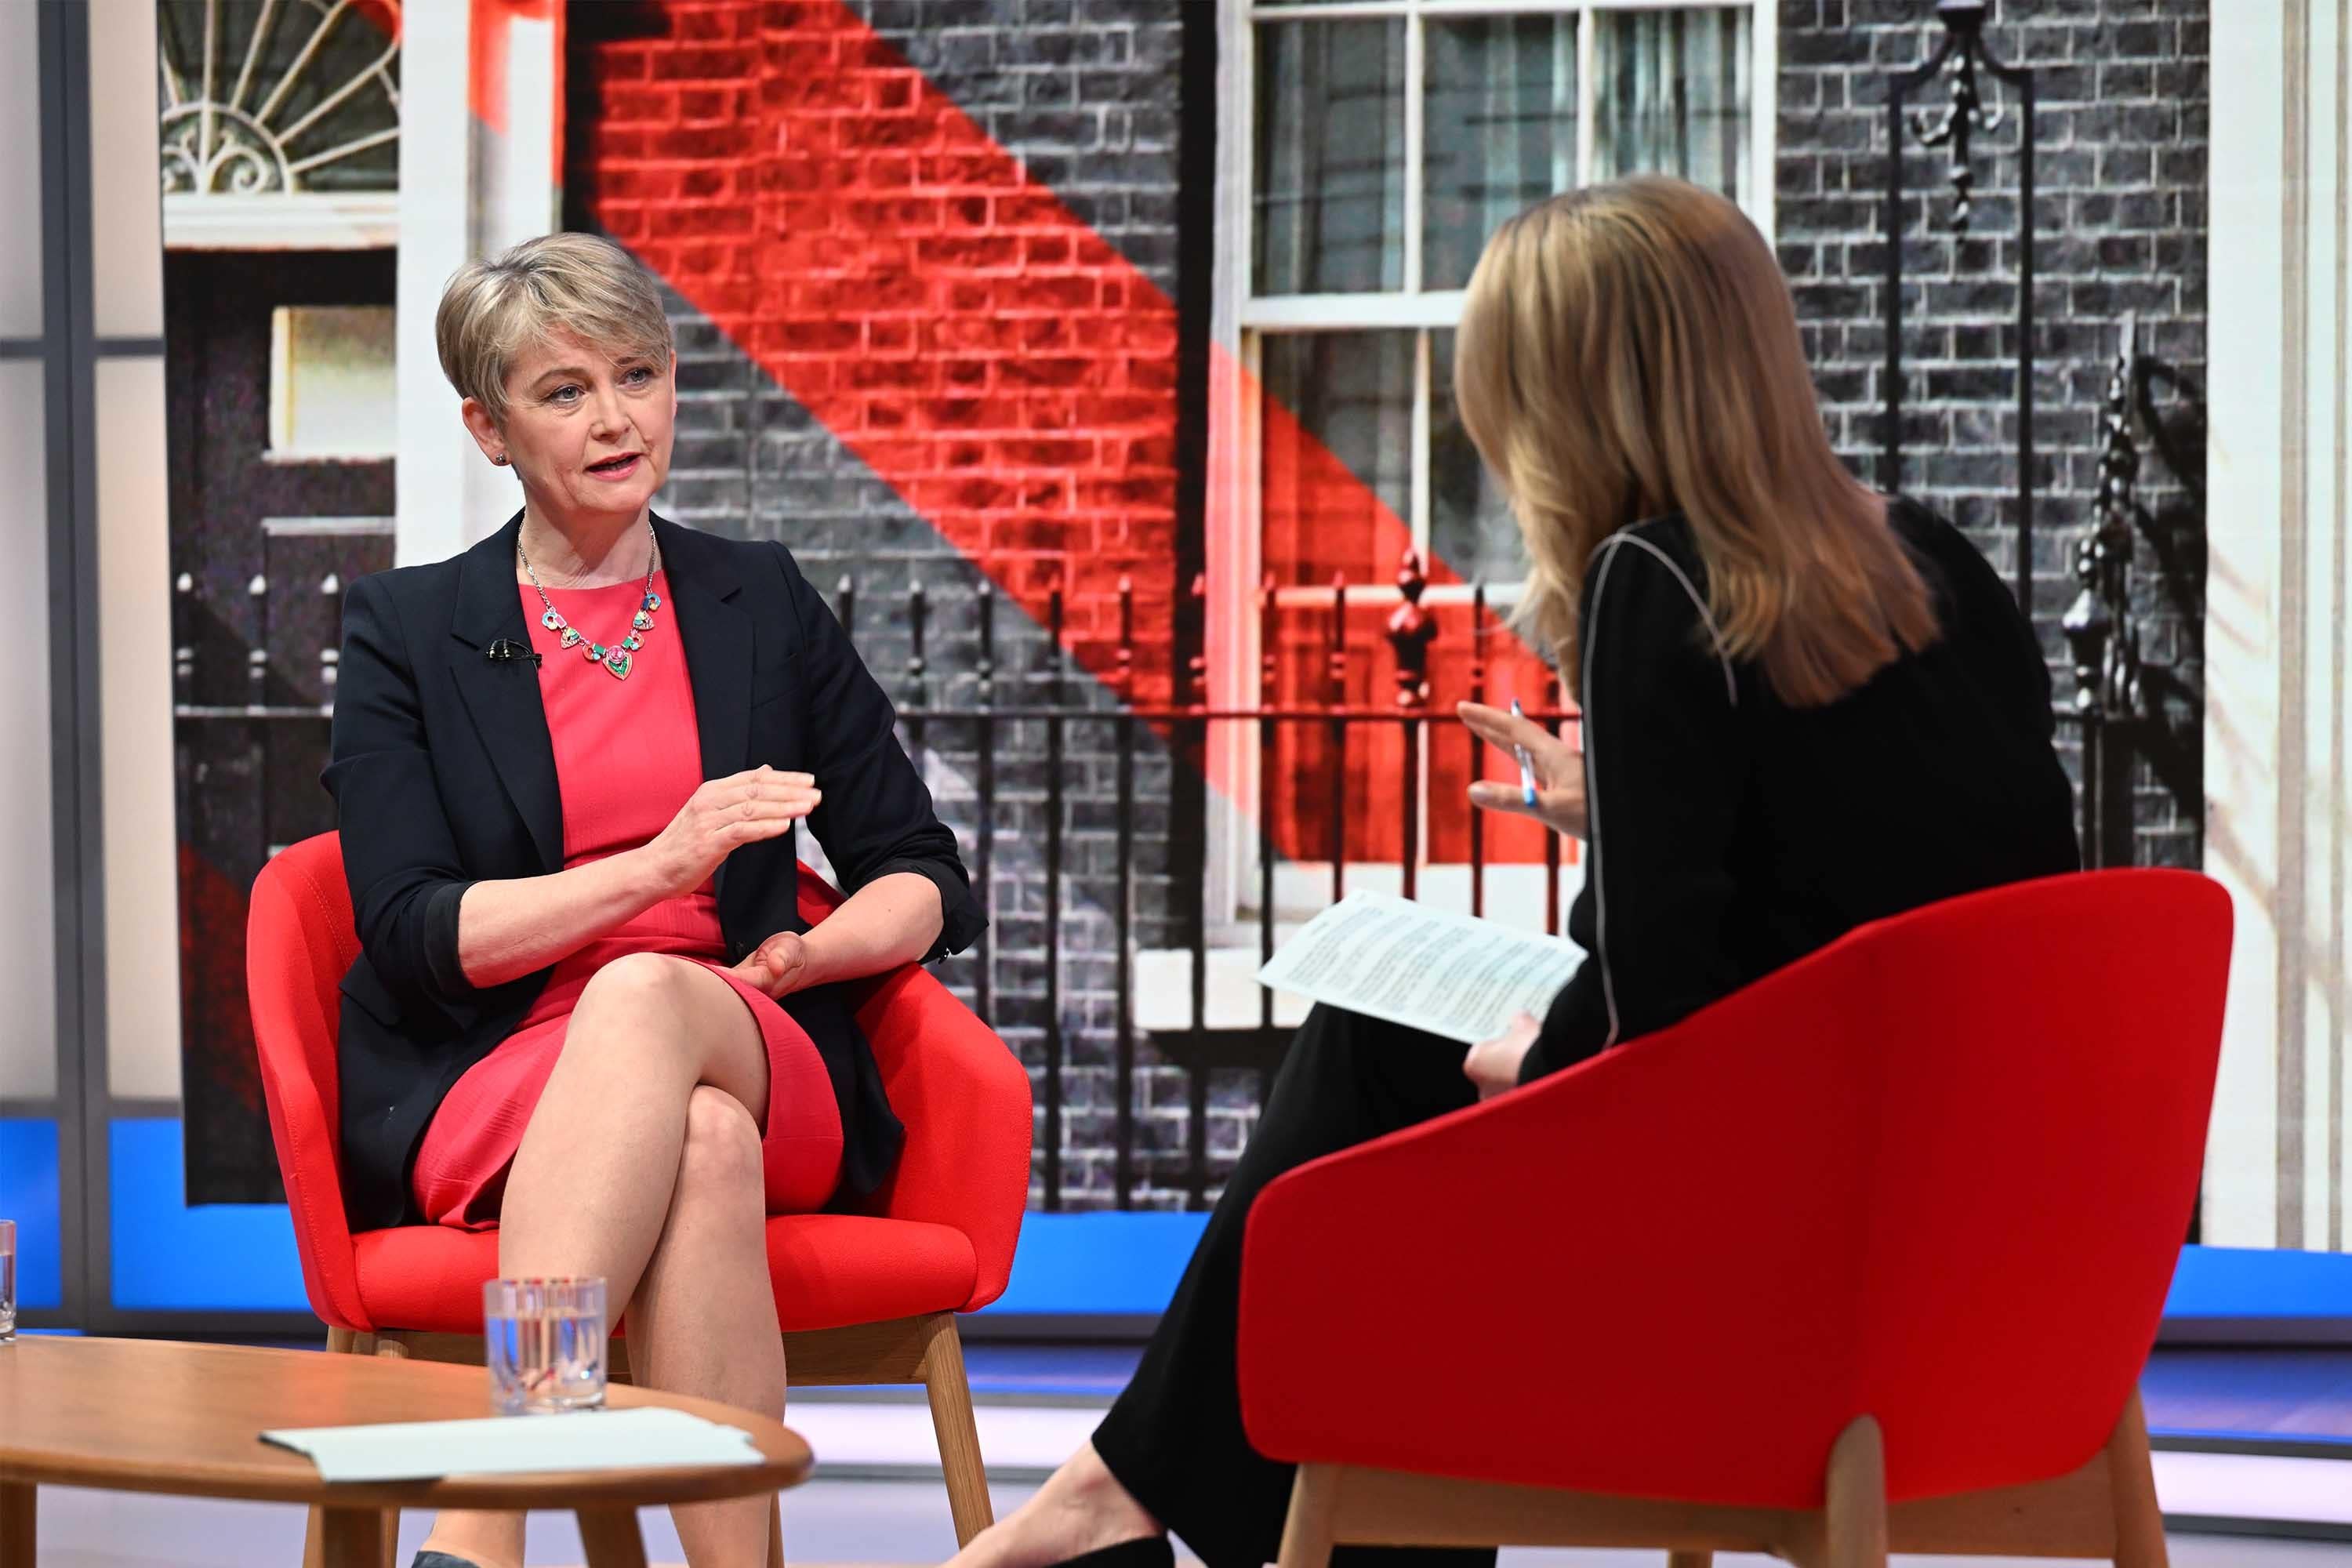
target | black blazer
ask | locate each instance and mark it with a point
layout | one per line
(443, 775)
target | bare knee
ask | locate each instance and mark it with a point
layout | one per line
(721, 1155)
(638, 982)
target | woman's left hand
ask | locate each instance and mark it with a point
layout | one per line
(1493, 1065)
(780, 966)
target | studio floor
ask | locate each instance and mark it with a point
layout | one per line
(826, 1522)
(2252, 1443)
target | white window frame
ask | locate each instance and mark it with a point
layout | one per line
(1240, 324)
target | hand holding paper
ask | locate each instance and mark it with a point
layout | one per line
(1449, 974)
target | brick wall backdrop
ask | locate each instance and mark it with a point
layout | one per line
(2120, 229)
(707, 133)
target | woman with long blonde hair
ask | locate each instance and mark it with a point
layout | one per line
(1805, 706)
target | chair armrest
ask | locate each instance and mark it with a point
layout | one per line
(965, 1099)
(1617, 1278)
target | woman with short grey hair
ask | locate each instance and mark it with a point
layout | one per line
(570, 765)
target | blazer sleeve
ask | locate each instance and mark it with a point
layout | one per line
(1665, 769)
(399, 854)
(876, 815)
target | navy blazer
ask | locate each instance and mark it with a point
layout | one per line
(443, 775)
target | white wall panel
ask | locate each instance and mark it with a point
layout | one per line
(2279, 465)
(143, 926)
(20, 172)
(28, 947)
(126, 195)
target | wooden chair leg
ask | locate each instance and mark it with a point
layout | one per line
(1314, 1510)
(1690, 1560)
(19, 1522)
(2139, 1523)
(958, 1434)
(612, 1538)
(1854, 1521)
(391, 1349)
(340, 1341)
(776, 1531)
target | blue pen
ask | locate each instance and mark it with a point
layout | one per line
(1527, 763)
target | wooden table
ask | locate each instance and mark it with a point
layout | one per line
(151, 1416)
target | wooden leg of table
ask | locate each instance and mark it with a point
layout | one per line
(352, 1537)
(18, 1517)
(1690, 1560)
(1856, 1515)
(776, 1531)
(1314, 1508)
(611, 1536)
(958, 1436)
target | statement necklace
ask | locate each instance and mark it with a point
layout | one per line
(619, 657)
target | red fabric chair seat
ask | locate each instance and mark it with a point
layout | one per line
(830, 1272)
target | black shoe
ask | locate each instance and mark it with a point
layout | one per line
(1143, 1552)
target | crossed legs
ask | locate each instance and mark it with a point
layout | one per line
(642, 1164)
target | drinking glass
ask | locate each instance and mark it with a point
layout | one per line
(545, 1340)
(7, 1281)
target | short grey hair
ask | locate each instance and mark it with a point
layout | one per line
(576, 283)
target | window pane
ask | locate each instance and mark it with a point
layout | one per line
(1337, 465)
(1674, 96)
(332, 390)
(1499, 132)
(1329, 188)
(1470, 528)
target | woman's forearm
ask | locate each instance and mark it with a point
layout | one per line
(511, 927)
(891, 920)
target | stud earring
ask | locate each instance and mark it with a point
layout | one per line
(500, 459)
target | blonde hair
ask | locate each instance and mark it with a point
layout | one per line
(1629, 350)
(573, 283)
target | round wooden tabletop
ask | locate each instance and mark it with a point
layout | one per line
(149, 1415)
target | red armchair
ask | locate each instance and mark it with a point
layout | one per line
(867, 1298)
(1872, 1251)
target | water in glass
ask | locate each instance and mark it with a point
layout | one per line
(545, 1339)
(7, 1281)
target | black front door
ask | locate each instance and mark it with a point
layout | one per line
(281, 492)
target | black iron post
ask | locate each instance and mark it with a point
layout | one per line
(1962, 54)
(2098, 625)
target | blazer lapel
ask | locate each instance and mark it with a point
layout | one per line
(718, 638)
(502, 695)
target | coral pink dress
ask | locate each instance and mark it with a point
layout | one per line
(627, 755)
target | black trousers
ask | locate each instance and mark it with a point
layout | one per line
(1174, 1439)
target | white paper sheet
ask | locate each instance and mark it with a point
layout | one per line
(1451, 974)
(643, 1438)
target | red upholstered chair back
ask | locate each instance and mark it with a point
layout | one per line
(2021, 1083)
(299, 944)
(1939, 1172)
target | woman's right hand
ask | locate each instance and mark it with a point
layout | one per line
(1558, 767)
(722, 816)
